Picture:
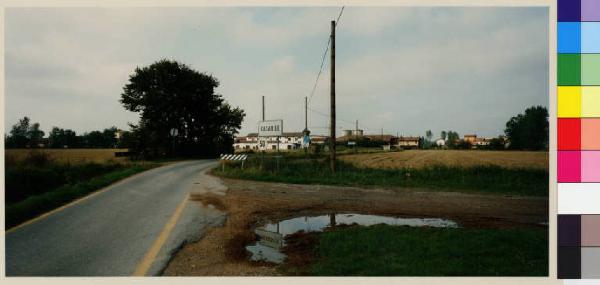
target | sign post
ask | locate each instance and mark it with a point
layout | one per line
(173, 132)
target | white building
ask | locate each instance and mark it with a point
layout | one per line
(440, 142)
(408, 142)
(288, 141)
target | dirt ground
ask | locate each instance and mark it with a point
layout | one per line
(465, 158)
(221, 252)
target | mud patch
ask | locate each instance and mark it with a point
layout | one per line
(222, 250)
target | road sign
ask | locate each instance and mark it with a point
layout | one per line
(270, 128)
(306, 140)
(351, 143)
(270, 239)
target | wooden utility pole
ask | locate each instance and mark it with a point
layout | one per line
(332, 110)
(356, 137)
(305, 113)
(263, 108)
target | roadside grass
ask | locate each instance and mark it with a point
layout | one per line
(482, 179)
(37, 183)
(71, 155)
(383, 250)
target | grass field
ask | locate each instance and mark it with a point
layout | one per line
(76, 156)
(518, 178)
(462, 158)
(403, 251)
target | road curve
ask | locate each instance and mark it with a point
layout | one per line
(113, 232)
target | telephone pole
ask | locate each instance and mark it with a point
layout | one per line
(305, 113)
(332, 95)
(356, 131)
(263, 108)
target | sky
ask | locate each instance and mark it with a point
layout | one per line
(403, 69)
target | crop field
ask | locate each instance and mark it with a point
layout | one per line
(460, 158)
(74, 156)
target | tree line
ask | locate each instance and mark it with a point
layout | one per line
(25, 134)
(526, 131)
(180, 115)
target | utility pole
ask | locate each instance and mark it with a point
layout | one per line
(356, 137)
(305, 132)
(263, 108)
(306, 113)
(332, 95)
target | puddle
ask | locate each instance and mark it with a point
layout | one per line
(271, 236)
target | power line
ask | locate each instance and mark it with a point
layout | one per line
(312, 93)
(323, 114)
(337, 22)
(320, 71)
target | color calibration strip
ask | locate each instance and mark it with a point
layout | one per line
(578, 139)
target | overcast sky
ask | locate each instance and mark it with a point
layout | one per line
(402, 69)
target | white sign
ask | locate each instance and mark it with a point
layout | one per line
(271, 128)
(270, 239)
(351, 143)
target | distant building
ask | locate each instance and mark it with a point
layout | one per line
(440, 142)
(408, 142)
(289, 141)
(119, 134)
(476, 141)
(387, 139)
(319, 140)
(348, 133)
(470, 138)
(482, 142)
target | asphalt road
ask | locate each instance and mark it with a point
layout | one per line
(112, 233)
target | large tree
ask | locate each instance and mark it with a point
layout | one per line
(528, 131)
(35, 135)
(61, 138)
(179, 111)
(23, 134)
(453, 139)
(18, 134)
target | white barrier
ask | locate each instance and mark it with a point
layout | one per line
(233, 157)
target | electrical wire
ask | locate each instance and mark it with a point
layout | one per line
(312, 93)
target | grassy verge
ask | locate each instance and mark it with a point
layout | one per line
(403, 251)
(487, 179)
(35, 205)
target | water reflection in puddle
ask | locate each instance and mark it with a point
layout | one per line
(271, 236)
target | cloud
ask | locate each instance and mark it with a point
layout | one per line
(404, 69)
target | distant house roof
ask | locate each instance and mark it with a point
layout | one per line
(408, 138)
(293, 134)
(290, 134)
(319, 138)
(386, 138)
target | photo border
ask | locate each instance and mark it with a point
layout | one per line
(552, 215)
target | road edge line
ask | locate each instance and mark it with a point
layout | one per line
(79, 200)
(148, 259)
